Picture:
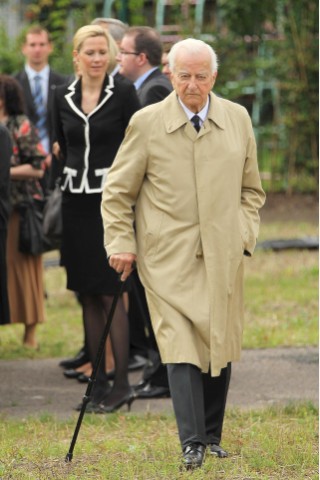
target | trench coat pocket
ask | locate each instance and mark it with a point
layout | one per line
(243, 232)
(151, 236)
(233, 267)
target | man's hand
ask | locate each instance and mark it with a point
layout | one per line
(123, 263)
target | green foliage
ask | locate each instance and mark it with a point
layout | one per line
(11, 59)
(62, 19)
(272, 69)
(298, 84)
(130, 11)
(247, 18)
(268, 53)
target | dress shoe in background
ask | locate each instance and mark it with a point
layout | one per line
(217, 451)
(72, 373)
(80, 359)
(147, 390)
(83, 378)
(136, 362)
(193, 456)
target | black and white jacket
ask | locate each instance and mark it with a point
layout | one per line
(90, 142)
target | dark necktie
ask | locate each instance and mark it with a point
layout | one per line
(40, 107)
(196, 122)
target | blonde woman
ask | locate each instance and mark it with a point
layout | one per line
(90, 118)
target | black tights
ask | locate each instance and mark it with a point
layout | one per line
(95, 312)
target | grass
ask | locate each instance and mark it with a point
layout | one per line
(269, 444)
(281, 299)
(281, 302)
(278, 443)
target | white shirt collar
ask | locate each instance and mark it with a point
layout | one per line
(143, 77)
(44, 73)
(202, 114)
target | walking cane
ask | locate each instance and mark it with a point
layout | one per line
(92, 378)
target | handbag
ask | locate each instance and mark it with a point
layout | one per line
(52, 219)
(31, 237)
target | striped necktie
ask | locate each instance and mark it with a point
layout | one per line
(40, 107)
(196, 122)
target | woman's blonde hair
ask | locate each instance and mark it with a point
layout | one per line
(89, 31)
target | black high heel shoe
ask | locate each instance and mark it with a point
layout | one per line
(83, 378)
(72, 373)
(126, 400)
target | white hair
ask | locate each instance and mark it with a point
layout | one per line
(193, 46)
(115, 27)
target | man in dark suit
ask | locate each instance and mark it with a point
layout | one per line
(139, 59)
(38, 82)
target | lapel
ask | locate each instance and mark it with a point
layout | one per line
(75, 93)
(144, 85)
(26, 85)
(51, 88)
(152, 75)
(176, 118)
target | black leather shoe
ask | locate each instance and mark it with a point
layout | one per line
(217, 451)
(140, 385)
(89, 408)
(72, 373)
(80, 359)
(111, 375)
(193, 456)
(152, 391)
(83, 378)
(137, 362)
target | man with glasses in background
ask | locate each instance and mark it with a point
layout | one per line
(140, 61)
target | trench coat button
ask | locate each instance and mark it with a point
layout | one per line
(199, 255)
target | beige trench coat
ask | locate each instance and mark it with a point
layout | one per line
(196, 199)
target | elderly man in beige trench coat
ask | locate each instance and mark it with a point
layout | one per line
(181, 200)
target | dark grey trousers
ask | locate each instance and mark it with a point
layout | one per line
(199, 402)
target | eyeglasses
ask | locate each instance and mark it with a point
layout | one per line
(123, 52)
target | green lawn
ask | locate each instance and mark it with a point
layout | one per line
(281, 303)
(268, 444)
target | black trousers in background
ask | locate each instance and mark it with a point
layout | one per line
(199, 402)
(142, 339)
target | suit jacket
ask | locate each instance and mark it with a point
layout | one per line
(155, 88)
(90, 142)
(55, 79)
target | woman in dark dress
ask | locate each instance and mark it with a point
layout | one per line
(5, 157)
(90, 118)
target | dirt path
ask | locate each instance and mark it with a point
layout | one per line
(262, 377)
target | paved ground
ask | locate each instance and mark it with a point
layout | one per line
(262, 377)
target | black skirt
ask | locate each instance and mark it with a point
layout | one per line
(82, 252)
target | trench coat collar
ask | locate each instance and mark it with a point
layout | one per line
(175, 116)
(73, 97)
